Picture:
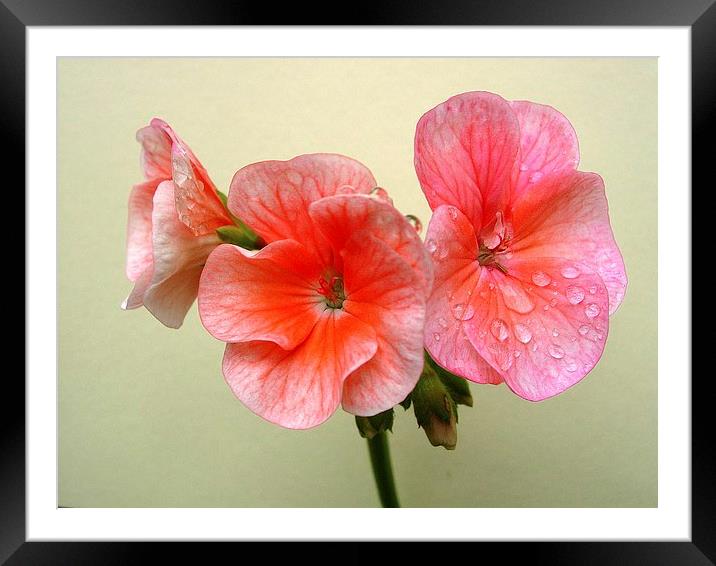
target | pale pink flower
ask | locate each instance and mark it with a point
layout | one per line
(527, 271)
(171, 228)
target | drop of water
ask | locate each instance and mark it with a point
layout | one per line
(592, 310)
(534, 346)
(502, 354)
(592, 289)
(462, 311)
(523, 333)
(541, 279)
(499, 329)
(517, 353)
(343, 190)
(575, 295)
(536, 176)
(570, 272)
(452, 211)
(381, 194)
(523, 167)
(436, 336)
(553, 302)
(556, 352)
(546, 307)
(516, 298)
(583, 330)
(415, 222)
(442, 322)
(432, 246)
(570, 366)
(443, 253)
(555, 332)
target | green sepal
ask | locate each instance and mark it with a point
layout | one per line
(223, 197)
(239, 236)
(405, 403)
(457, 386)
(368, 427)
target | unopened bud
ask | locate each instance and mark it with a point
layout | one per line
(368, 427)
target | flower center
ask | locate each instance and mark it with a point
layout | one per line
(494, 242)
(332, 291)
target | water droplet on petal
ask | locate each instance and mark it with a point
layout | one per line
(570, 272)
(555, 332)
(536, 176)
(556, 352)
(553, 302)
(343, 190)
(436, 336)
(432, 245)
(462, 311)
(452, 211)
(541, 279)
(522, 333)
(592, 310)
(517, 353)
(499, 329)
(502, 354)
(592, 289)
(516, 298)
(523, 167)
(442, 322)
(575, 295)
(570, 366)
(583, 330)
(415, 222)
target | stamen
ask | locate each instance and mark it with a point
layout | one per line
(333, 291)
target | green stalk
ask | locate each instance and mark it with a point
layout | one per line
(382, 469)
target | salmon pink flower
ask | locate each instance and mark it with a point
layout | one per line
(332, 309)
(171, 229)
(527, 271)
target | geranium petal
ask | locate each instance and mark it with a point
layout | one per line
(466, 153)
(156, 154)
(139, 229)
(548, 144)
(271, 295)
(341, 217)
(541, 330)
(451, 240)
(179, 257)
(568, 217)
(300, 388)
(383, 291)
(273, 197)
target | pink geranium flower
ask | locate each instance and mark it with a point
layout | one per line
(171, 229)
(527, 271)
(332, 310)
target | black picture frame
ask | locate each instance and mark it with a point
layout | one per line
(699, 15)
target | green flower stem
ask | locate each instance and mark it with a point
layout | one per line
(382, 469)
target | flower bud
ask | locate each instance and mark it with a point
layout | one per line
(368, 427)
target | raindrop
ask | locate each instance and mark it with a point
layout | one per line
(462, 311)
(555, 332)
(575, 295)
(517, 353)
(343, 190)
(442, 322)
(541, 279)
(516, 298)
(452, 211)
(556, 352)
(592, 310)
(546, 307)
(583, 330)
(523, 167)
(570, 366)
(499, 329)
(523, 333)
(415, 222)
(570, 272)
(431, 245)
(503, 357)
(536, 176)
(553, 302)
(592, 289)
(436, 336)
(443, 253)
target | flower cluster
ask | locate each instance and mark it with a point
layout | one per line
(325, 294)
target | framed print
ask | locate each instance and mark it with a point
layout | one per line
(338, 232)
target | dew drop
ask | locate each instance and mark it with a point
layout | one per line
(436, 336)
(442, 322)
(575, 295)
(556, 352)
(570, 366)
(536, 176)
(570, 272)
(431, 245)
(462, 311)
(546, 307)
(592, 310)
(541, 279)
(516, 298)
(555, 332)
(517, 353)
(583, 330)
(499, 329)
(523, 167)
(502, 354)
(443, 253)
(414, 222)
(553, 302)
(452, 211)
(343, 190)
(523, 333)
(592, 289)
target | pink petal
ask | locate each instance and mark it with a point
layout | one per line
(197, 201)
(548, 144)
(451, 240)
(300, 388)
(541, 330)
(271, 295)
(139, 229)
(156, 156)
(466, 153)
(273, 197)
(179, 257)
(342, 217)
(135, 299)
(568, 217)
(382, 290)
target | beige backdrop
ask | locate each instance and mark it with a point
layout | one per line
(145, 416)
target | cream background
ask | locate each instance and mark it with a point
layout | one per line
(145, 419)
